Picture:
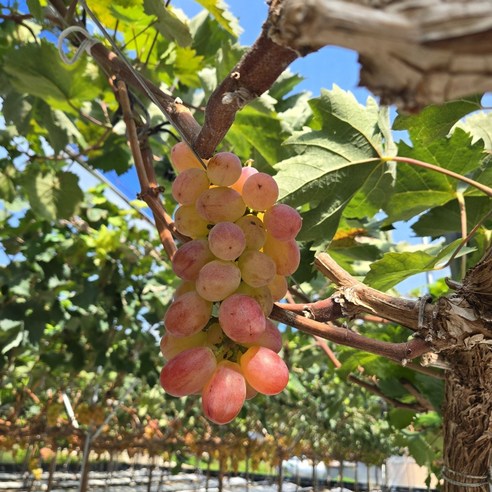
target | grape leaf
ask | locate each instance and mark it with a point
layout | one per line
(419, 189)
(187, 66)
(435, 122)
(53, 196)
(446, 219)
(256, 131)
(38, 70)
(392, 268)
(113, 156)
(169, 24)
(401, 417)
(333, 161)
(35, 8)
(222, 14)
(61, 130)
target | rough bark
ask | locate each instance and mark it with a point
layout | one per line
(412, 53)
(468, 421)
(458, 327)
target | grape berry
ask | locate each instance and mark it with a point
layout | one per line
(219, 341)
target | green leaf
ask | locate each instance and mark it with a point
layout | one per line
(435, 122)
(7, 185)
(168, 24)
(333, 161)
(13, 343)
(38, 70)
(18, 110)
(207, 39)
(113, 156)
(35, 8)
(419, 449)
(187, 65)
(220, 10)
(373, 194)
(418, 189)
(393, 268)
(401, 417)
(257, 131)
(479, 125)
(53, 196)
(446, 219)
(284, 84)
(61, 130)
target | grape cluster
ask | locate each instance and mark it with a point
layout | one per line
(219, 341)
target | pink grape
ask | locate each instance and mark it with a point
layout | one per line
(188, 372)
(254, 231)
(217, 280)
(226, 240)
(264, 370)
(257, 268)
(241, 318)
(285, 254)
(261, 295)
(260, 191)
(184, 287)
(190, 258)
(220, 204)
(182, 157)
(189, 222)
(224, 168)
(214, 334)
(189, 185)
(250, 392)
(187, 315)
(271, 338)
(278, 287)
(172, 346)
(282, 222)
(246, 172)
(224, 394)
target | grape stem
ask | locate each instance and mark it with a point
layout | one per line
(145, 172)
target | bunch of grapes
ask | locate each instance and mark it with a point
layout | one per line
(219, 341)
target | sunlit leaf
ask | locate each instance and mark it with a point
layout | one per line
(220, 10)
(169, 24)
(392, 268)
(38, 70)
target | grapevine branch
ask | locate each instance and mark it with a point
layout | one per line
(355, 297)
(252, 76)
(149, 189)
(410, 365)
(400, 352)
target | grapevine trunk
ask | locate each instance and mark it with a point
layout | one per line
(468, 421)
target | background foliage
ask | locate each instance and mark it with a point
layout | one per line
(83, 281)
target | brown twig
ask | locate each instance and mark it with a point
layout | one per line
(400, 352)
(324, 346)
(149, 189)
(324, 310)
(421, 399)
(179, 115)
(464, 227)
(374, 389)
